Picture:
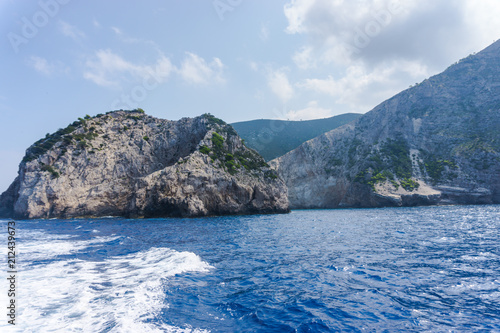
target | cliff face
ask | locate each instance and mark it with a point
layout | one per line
(126, 163)
(435, 143)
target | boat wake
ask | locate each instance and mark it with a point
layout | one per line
(119, 294)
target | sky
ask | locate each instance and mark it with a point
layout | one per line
(237, 59)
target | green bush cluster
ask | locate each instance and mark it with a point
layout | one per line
(271, 174)
(213, 120)
(205, 150)
(381, 177)
(435, 168)
(134, 117)
(250, 160)
(139, 110)
(231, 165)
(398, 154)
(221, 125)
(82, 144)
(246, 158)
(222, 154)
(43, 145)
(391, 163)
(363, 177)
(81, 137)
(409, 184)
(217, 142)
(50, 168)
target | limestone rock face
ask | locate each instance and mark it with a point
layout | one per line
(435, 143)
(126, 163)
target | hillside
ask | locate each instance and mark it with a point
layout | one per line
(435, 143)
(274, 138)
(126, 163)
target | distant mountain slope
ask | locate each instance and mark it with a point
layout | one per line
(274, 138)
(435, 143)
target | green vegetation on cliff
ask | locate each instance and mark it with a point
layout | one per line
(389, 163)
(66, 136)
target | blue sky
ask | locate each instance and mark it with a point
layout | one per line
(237, 59)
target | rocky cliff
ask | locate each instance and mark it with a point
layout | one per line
(435, 143)
(126, 163)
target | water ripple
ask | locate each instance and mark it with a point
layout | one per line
(379, 270)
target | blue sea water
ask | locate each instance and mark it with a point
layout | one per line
(434, 269)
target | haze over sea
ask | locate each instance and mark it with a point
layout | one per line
(395, 269)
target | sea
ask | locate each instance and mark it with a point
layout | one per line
(422, 269)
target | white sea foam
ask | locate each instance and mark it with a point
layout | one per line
(50, 246)
(481, 256)
(119, 294)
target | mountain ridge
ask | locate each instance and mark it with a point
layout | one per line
(273, 138)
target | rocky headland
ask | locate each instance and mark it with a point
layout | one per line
(435, 143)
(126, 163)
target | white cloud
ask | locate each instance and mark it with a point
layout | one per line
(304, 58)
(312, 111)
(280, 86)
(360, 89)
(123, 37)
(482, 20)
(43, 66)
(370, 50)
(108, 69)
(116, 30)
(435, 31)
(264, 32)
(254, 66)
(295, 12)
(195, 69)
(71, 31)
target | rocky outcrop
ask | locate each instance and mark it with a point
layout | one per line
(435, 143)
(126, 163)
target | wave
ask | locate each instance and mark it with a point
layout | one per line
(119, 294)
(38, 245)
